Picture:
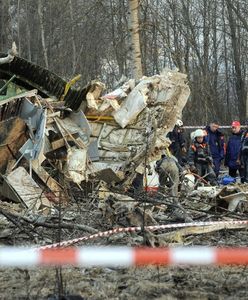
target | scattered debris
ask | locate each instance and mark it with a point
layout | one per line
(235, 197)
(85, 160)
(28, 191)
(112, 139)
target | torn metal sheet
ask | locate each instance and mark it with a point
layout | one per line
(80, 119)
(130, 126)
(31, 113)
(93, 151)
(233, 196)
(135, 102)
(7, 191)
(146, 115)
(121, 92)
(27, 189)
(76, 165)
(33, 148)
(98, 166)
(76, 124)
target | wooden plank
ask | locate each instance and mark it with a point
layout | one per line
(12, 137)
(10, 166)
(53, 185)
(59, 143)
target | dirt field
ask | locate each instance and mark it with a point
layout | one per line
(134, 283)
(117, 283)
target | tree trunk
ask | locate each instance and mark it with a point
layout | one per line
(74, 58)
(134, 29)
(18, 27)
(240, 84)
(28, 32)
(238, 14)
(42, 31)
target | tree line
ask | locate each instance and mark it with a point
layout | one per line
(207, 39)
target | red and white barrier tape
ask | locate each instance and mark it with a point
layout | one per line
(138, 228)
(121, 256)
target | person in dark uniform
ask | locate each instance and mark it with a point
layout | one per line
(215, 139)
(177, 146)
(243, 157)
(233, 149)
(199, 157)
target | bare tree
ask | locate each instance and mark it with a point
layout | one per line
(207, 39)
(238, 13)
(239, 81)
(134, 29)
(42, 32)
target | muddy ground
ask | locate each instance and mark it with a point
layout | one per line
(120, 283)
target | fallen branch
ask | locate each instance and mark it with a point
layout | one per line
(63, 225)
(13, 220)
(198, 230)
(37, 223)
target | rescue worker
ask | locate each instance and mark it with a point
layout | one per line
(199, 157)
(233, 149)
(177, 146)
(168, 170)
(243, 157)
(215, 139)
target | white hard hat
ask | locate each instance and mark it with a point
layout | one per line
(198, 133)
(179, 123)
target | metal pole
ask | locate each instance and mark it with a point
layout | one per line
(7, 83)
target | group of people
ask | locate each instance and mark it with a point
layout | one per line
(208, 150)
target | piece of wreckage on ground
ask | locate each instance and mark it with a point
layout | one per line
(53, 135)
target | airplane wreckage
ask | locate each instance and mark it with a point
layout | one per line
(82, 133)
(53, 134)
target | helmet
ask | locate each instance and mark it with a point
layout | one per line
(179, 123)
(199, 133)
